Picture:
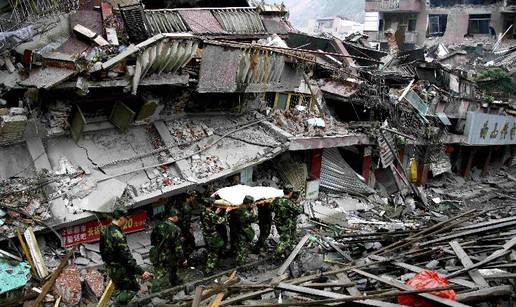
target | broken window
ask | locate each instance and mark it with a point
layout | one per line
(437, 24)
(479, 23)
(412, 23)
(281, 102)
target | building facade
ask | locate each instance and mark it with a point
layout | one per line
(338, 26)
(415, 21)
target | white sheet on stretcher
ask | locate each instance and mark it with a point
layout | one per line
(235, 194)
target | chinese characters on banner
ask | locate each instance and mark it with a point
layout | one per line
(90, 231)
(489, 129)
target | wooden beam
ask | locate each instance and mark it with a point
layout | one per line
(466, 262)
(292, 255)
(485, 294)
(416, 269)
(495, 255)
(469, 232)
(197, 297)
(328, 294)
(50, 283)
(217, 300)
(353, 290)
(26, 252)
(402, 286)
(104, 299)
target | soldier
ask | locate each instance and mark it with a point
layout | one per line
(286, 212)
(185, 219)
(120, 264)
(265, 223)
(211, 218)
(245, 236)
(166, 251)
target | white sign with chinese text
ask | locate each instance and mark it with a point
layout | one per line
(489, 129)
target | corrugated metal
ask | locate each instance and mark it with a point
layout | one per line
(166, 56)
(230, 69)
(239, 21)
(337, 175)
(386, 155)
(293, 172)
(164, 21)
(259, 66)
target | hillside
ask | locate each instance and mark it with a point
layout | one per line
(303, 10)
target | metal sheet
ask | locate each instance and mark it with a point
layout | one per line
(489, 129)
(418, 103)
(444, 119)
(164, 21)
(337, 175)
(226, 69)
(239, 20)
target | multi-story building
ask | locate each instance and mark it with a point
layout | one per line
(413, 21)
(336, 25)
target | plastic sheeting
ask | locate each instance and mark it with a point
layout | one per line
(235, 194)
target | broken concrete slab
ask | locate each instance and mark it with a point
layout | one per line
(68, 285)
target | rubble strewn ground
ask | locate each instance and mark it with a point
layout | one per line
(400, 142)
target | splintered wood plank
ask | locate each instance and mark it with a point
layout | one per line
(466, 262)
(402, 286)
(292, 255)
(333, 295)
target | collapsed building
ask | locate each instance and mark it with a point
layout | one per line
(417, 22)
(121, 101)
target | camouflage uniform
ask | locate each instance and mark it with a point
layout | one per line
(120, 264)
(185, 219)
(245, 234)
(165, 254)
(214, 242)
(285, 219)
(265, 223)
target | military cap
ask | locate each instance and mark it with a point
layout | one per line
(248, 199)
(288, 189)
(120, 212)
(173, 212)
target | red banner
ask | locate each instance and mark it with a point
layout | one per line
(90, 231)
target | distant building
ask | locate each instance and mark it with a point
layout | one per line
(449, 21)
(337, 25)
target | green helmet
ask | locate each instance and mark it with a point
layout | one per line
(248, 199)
(173, 212)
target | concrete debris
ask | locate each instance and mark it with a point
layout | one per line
(68, 285)
(95, 281)
(398, 139)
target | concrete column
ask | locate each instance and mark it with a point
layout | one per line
(467, 169)
(366, 163)
(315, 163)
(485, 168)
(422, 174)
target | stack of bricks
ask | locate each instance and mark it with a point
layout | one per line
(12, 125)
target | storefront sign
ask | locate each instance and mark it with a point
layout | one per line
(90, 231)
(489, 129)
